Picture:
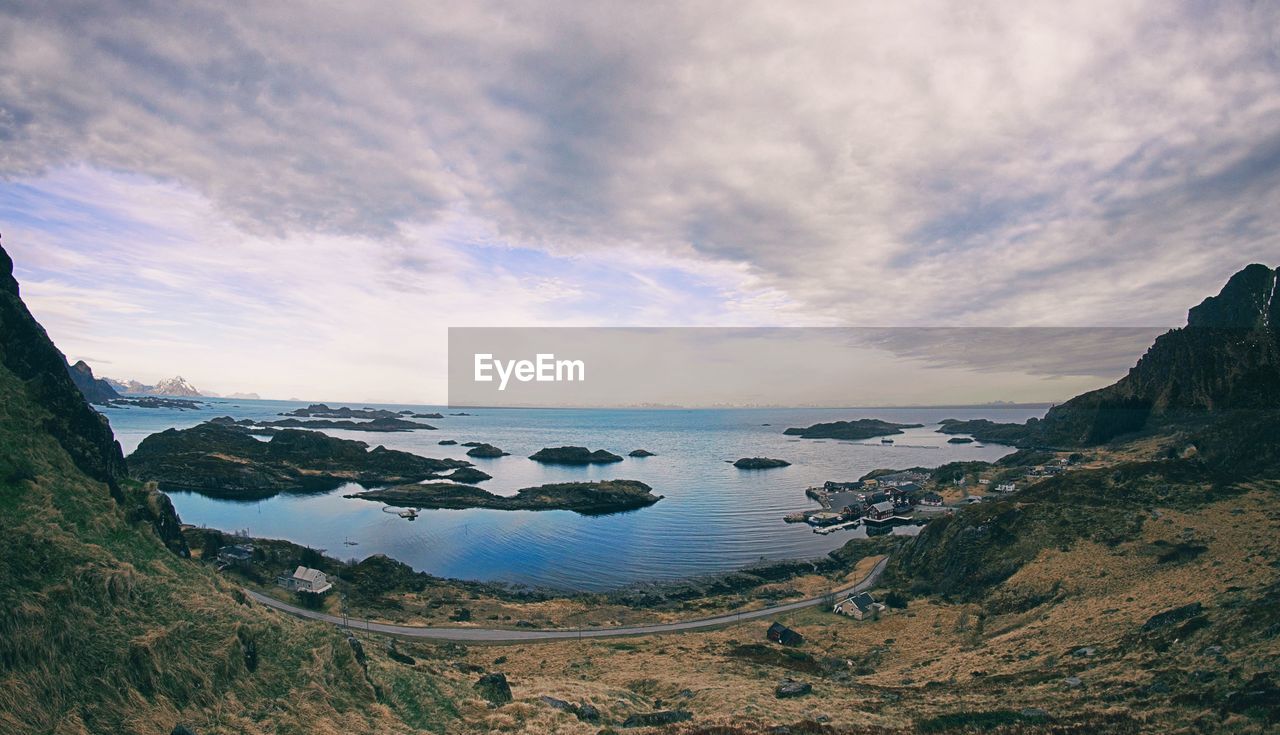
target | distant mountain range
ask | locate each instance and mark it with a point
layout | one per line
(175, 386)
(103, 390)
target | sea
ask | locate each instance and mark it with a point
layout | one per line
(713, 517)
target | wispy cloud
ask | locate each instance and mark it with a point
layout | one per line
(346, 175)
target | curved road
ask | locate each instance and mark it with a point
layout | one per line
(502, 635)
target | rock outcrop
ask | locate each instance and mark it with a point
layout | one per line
(573, 455)
(95, 390)
(494, 688)
(27, 352)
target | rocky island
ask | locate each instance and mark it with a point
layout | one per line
(378, 424)
(641, 453)
(850, 430)
(760, 463)
(573, 455)
(323, 411)
(223, 460)
(484, 451)
(587, 498)
(468, 475)
(989, 431)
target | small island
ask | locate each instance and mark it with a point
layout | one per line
(468, 475)
(221, 459)
(991, 431)
(850, 430)
(573, 455)
(323, 411)
(484, 451)
(960, 440)
(587, 498)
(384, 424)
(641, 453)
(760, 463)
(447, 442)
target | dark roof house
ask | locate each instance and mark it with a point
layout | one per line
(780, 633)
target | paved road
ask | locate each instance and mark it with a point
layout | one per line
(502, 635)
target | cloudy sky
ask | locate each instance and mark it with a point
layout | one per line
(299, 199)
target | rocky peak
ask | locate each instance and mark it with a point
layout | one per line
(1246, 302)
(94, 389)
(175, 386)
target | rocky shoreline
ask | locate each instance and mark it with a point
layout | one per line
(223, 460)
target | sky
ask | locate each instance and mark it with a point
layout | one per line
(300, 200)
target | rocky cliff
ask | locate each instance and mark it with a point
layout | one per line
(95, 390)
(27, 352)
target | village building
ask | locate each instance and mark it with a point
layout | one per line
(931, 498)
(880, 511)
(861, 606)
(1006, 487)
(239, 555)
(779, 633)
(305, 579)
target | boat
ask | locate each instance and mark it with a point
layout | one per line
(886, 441)
(408, 514)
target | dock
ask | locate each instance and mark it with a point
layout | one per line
(824, 530)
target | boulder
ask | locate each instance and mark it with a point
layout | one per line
(494, 687)
(791, 688)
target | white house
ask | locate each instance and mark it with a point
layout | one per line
(306, 579)
(859, 607)
(1006, 487)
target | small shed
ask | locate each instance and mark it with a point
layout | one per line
(779, 633)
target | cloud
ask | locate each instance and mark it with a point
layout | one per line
(975, 163)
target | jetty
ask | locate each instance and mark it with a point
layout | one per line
(824, 530)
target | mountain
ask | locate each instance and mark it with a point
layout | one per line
(1225, 363)
(1191, 424)
(128, 387)
(175, 386)
(1226, 359)
(95, 390)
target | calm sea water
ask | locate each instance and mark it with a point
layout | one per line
(714, 517)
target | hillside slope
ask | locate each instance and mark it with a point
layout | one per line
(105, 630)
